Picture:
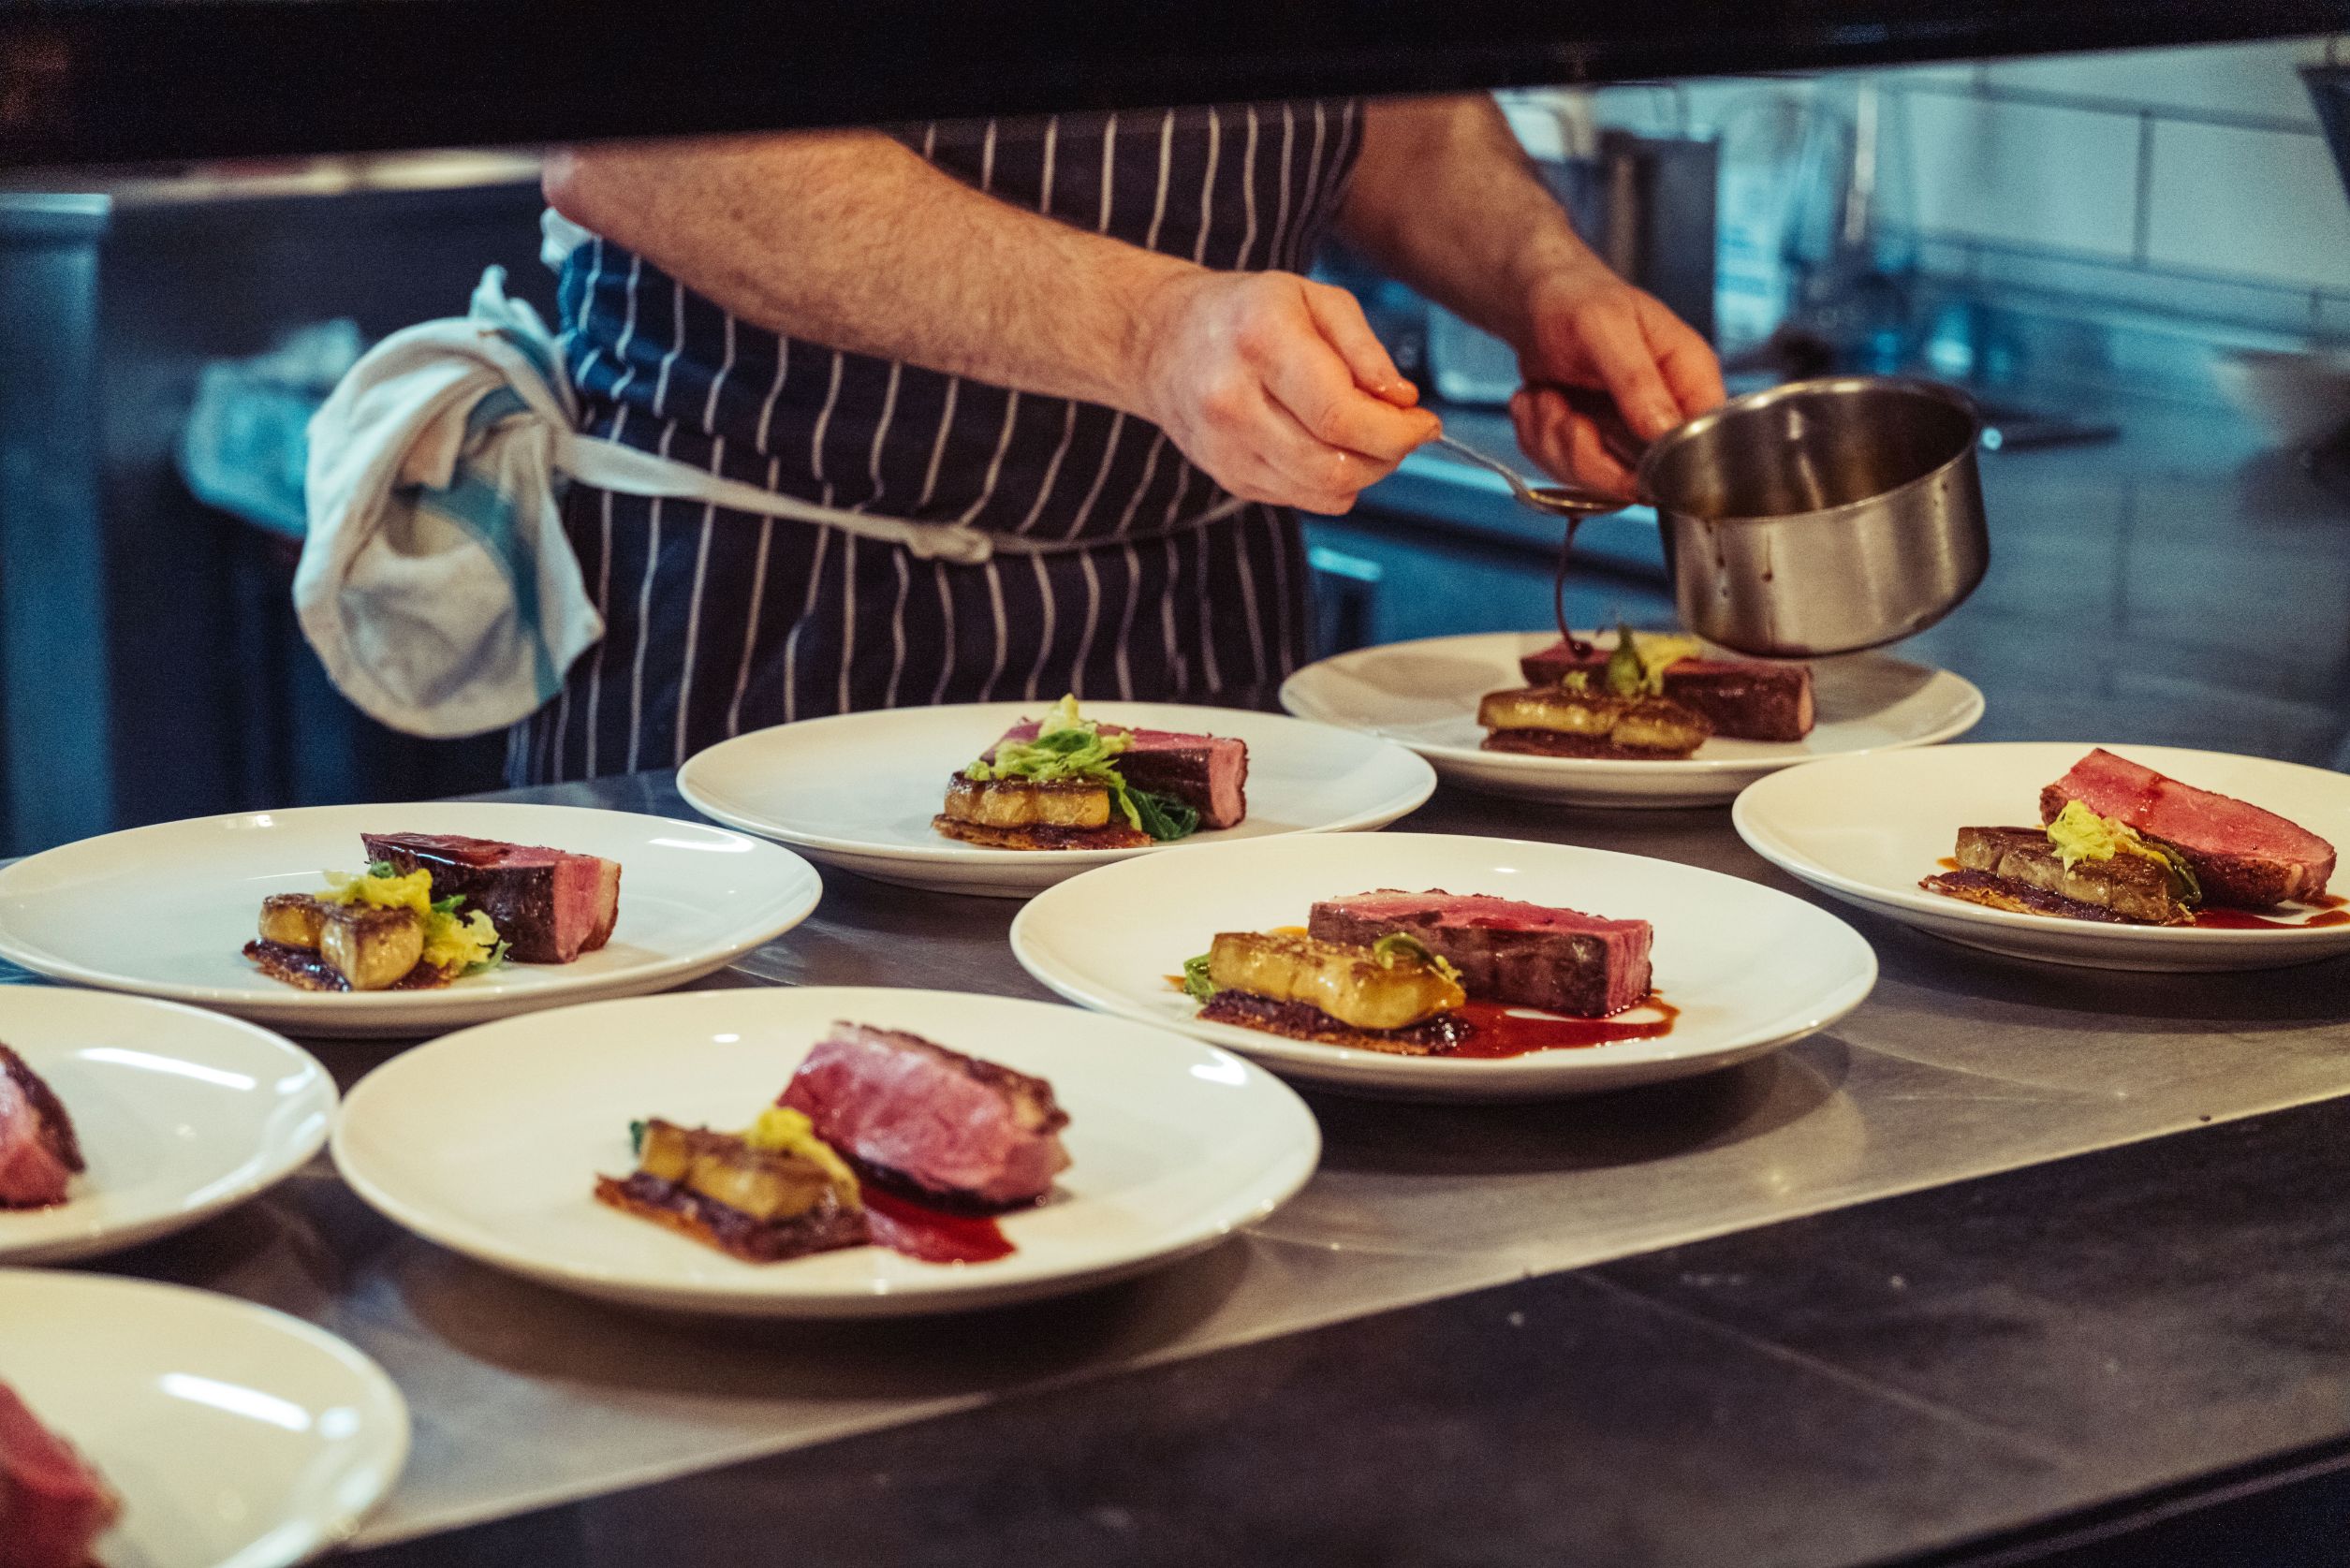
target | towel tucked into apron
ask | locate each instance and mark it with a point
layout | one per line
(718, 621)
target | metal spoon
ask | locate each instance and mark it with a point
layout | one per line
(1564, 501)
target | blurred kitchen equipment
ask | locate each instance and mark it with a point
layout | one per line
(2300, 398)
(1821, 517)
(1644, 203)
(1564, 501)
(1847, 259)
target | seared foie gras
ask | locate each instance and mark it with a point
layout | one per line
(1024, 814)
(1565, 721)
(356, 947)
(2017, 869)
(1350, 984)
(770, 1193)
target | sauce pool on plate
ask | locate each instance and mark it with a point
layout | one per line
(931, 1235)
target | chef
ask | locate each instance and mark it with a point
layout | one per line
(1088, 337)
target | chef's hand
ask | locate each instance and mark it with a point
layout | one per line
(1589, 327)
(1275, 385)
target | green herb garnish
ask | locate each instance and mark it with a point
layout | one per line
(1399, 947)
(1196, 982)
(637, 1139)
(1068, 747)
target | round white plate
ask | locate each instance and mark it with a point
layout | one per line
(858, 790)
(490, 1142)
(1867, 828)
(1751, 969)
(236, 1437)
(180, 1113)
(165, 911)
(1424, 695)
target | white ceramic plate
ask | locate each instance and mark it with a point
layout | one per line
(165, 911)
(236, 1437)
(180, 1113)
(1424, 695)
(1751, 969)
(488, 1142)
(858, 790)
(1867, 828)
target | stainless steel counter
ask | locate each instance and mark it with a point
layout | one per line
(1958, 1065)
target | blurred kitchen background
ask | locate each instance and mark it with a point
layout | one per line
(2139, 262)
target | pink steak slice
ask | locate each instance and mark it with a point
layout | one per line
(550, 905)
(39, 1151)
(1207, 773)
(52, 1505)
(1523, 954)
(2242, 856)
(914, 1114)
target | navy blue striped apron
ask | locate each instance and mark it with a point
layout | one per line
(720, 622)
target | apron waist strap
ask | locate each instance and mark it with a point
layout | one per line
(609, 465)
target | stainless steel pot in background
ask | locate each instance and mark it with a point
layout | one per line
(1821, 517)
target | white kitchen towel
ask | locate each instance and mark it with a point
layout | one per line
(436, 583)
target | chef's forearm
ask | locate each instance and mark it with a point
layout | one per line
(852, 241)
(1444, 198)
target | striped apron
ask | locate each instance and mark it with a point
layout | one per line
(718, 622)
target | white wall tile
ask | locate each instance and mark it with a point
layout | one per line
(2254, 79)
(2257, 204)
(2060, 179)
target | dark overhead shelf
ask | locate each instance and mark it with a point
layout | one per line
(85, 81)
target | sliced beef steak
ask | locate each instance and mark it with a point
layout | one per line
(1207, 773)
(1522, 954)
(52, 1505)
(908, 1112)
(550, 905)
(39, 1151)
(1745, 699)
(2242, 856)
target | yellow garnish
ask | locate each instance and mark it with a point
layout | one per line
(1659, 650)
(790, 1132)
(451, 941)
(454, 942)
(2078, 834)
(412, 892)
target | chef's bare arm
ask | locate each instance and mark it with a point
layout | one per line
(1273, 383)
(1444, 198)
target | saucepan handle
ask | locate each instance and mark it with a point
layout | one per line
(1614, 434)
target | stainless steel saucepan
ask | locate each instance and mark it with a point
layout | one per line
(1820, 516)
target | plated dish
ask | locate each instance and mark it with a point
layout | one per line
(148, 1425)
(122, 1120)
(240, 913)
(1526, 714)
(881, 1138)
(922, 796)
(822, 1152)
(1067, 782)
(1464, 978)
(431, 909)
(1436, 966)
(2142, 857)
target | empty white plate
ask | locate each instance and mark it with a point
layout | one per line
(858, 790)
(1750, 969)
(180, 1113)
(1424, 695)
(490, 1142)
(1866, 829)
(165, 911)
(236, 1437)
